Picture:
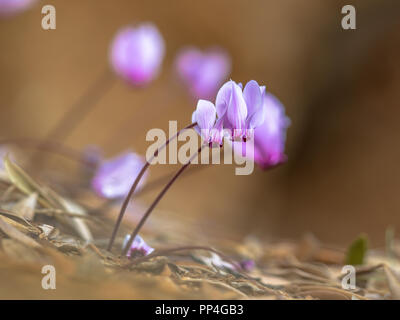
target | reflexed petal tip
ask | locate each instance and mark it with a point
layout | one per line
(237, 109)
(203, 72)
(137, 53)
(114, 177)
(253, 95)
(205, 116)
(223, 98)
(139, 247)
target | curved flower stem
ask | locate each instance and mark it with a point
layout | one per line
(164, 179)
(156, 201)
(136, 182)
(150, 186)
(80, 110)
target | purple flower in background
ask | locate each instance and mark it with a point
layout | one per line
(203, 72)
(10, 7)
(270, 136)
(137, 53)
(113, 178)
(247, 264)
(139, 247)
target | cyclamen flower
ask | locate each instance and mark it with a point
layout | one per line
(138, 248)
(10, 7)
(270, 136)
(241, 110)
(137, 53)
(203, 72)
(113, 177)
(237, 110)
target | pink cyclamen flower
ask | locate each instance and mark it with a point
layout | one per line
(241, 110)
(137, 53)
(113, 178)
(139, 247)
(203, 72)
(208, 126)
(11, 7)
(270, 136)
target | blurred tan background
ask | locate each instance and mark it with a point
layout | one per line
(340, 89)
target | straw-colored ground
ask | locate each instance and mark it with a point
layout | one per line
(40, 227)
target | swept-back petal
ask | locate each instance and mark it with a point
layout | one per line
(205, 116)
(253, 97)
(223, 98)
(237, 109)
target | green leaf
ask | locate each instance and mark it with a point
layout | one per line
(357, 251)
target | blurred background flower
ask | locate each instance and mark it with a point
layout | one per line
(137, 53)
(203, 72)
(115, 176)
(11, 7)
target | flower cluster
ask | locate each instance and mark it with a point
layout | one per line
(249, 113)
(235, 109)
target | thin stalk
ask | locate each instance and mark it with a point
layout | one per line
(164, 179)
(147, 188)
(136, 182)
(80, 110)
(156, 201)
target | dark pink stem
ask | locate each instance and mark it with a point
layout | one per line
(156, 201)
(135, 184)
